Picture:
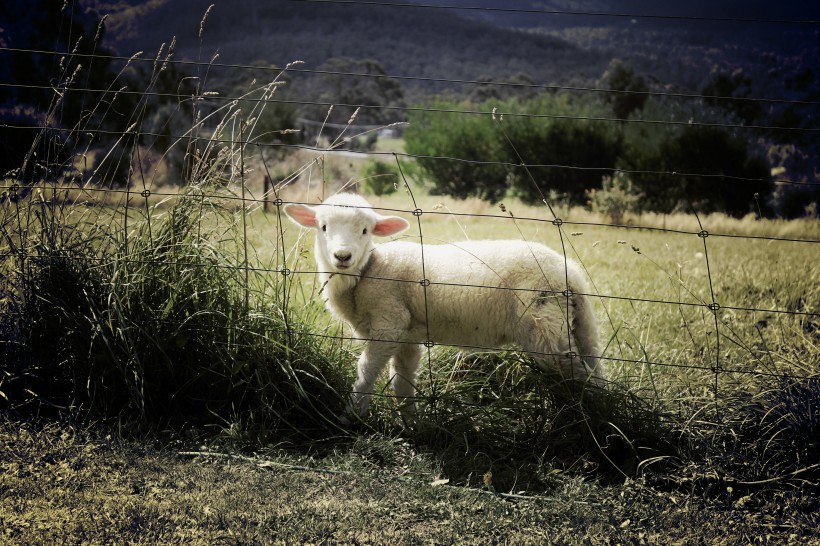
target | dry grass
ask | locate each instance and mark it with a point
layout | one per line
(60, 484)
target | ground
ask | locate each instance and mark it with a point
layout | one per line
(61, 485)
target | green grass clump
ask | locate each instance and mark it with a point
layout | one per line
(160, 323)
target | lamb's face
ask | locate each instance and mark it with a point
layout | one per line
(345, 225)
(344, 237)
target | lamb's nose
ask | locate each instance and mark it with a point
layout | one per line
(342, 255)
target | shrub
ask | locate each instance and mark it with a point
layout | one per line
(162, 325)
(572, 154)
(708, 166)
(484, 153)
(379, 178)
(615, 198)
(458, 152)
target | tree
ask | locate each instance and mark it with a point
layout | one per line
(461, 154)
(561, 148)
(723, 89)
(518, 86)
(574, 151)
(629, 89)
(707, 168)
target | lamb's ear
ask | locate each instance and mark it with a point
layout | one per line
(390, 225)
(301, 214)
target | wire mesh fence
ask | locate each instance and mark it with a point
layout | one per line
(145, 245)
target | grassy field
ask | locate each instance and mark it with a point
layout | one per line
(213, 381)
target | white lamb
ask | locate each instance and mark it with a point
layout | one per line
(399, 295)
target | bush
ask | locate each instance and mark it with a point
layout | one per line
(379, 178)
(616, 197)
(573, 152)
(459, 153)
(484, 153)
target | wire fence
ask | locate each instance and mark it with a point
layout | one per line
(734, 286)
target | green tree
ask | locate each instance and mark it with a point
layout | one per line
(532, 147)
(730, 94)
(459, 153)
(564, 149)
(371, 87)
(518, 86)
(629, 89)
(704, 167)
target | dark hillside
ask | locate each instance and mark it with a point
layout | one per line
(646, 13)
(684, 45)
(427, 43)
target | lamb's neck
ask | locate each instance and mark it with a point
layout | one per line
(337, 288)
(338, 291)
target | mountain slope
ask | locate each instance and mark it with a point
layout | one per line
(426, 43)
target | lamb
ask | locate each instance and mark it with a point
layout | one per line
(399, 295)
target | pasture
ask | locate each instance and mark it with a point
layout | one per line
(168, 372)
(199, 322)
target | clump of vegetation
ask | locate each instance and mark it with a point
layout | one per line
(524, 147)
(616, 197)
(160, 323)
(557, 143)
(156, 313)
(379, 178)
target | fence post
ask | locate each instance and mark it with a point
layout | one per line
(265, 190)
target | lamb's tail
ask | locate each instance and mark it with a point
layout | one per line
(585, 328)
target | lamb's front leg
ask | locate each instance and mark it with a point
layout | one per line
(403, 377)
(371, 362)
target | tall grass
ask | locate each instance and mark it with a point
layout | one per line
(161, 324)
(157, 312)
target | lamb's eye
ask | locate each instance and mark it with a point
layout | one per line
(324, 227)
(364, 231)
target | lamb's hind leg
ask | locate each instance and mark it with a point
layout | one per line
(544, 333)
(403, 372)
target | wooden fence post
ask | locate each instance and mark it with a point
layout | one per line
(265, 190)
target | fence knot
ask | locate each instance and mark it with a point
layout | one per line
(572, 355)
(145, 193)
(714, 306)
(429, 344)
(417, 212)
(285, 272)
(557, 222)
(277, 202)
(425, 282)
(567, 293)
(703, 234)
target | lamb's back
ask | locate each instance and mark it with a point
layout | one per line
(476, 291)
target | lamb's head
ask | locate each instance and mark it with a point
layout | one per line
(345, 225)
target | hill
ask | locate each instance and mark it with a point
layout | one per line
(417, 42)
(680, 47)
